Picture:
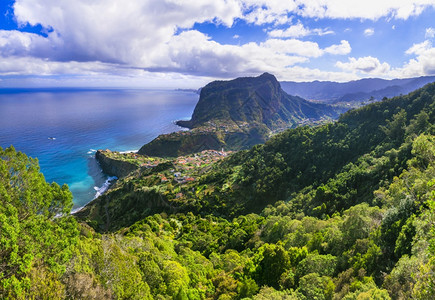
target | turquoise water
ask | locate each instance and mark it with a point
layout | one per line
(63, 128)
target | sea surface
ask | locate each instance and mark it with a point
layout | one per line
(64, 127)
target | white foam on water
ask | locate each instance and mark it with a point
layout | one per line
(128, 151)
(101, 190)
(76, 210)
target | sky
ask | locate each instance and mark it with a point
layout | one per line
(187, 43)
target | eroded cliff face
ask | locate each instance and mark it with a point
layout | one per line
(197, 140)
(238, 114)
(114, 167)
(255, 101)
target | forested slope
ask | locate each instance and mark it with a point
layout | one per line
(318, 170)
(340, 211)
(238, 114)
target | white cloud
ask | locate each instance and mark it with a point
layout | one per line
(118, 37)
(294, 31)
(17, 65)
(420, 48)
(119, 31)
(293, 46)
(275, 11)
(298, 30)
(193, 52)
(368, 9)
(268, 11)
(422, 64)
(236, 36)
(369, 32)
(368, 65)
(430, 33)
(298, 73)
(321, 32)
(130, 36)
(306, 48)
(13, 42)
(342, 49)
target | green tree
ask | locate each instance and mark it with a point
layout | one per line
(36, 235)
(395, 128)
(314, 286)
(273, 263)
(23, 186)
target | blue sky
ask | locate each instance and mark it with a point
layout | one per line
(174, 43)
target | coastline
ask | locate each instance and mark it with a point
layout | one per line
(184, 123)
(110, 180)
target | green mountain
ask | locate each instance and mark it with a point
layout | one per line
(254, 100)
(355, 91)
(320, 170)
(343, 210)
(238, 114)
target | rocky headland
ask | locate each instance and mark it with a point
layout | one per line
(238, 114)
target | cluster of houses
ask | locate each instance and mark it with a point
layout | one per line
(186, 163)
(182, 179)
(200, 159)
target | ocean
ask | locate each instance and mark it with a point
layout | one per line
(63, 128)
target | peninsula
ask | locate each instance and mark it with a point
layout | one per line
(238, 114)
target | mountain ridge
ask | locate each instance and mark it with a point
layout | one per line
(356, 90)
(306, 158)
(344, 210)
(252, 99)
(238, 114)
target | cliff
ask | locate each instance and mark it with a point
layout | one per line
(238, 114)
(318, 171)
(255, 100)
(203, 138)
(112, 166)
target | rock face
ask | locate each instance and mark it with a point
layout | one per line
(255, 100)
(174, 145)
(114, 167)
(238, 114)
(177, 144)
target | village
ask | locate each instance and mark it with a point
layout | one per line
(185, 169)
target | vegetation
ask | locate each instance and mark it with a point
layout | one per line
(238, 114)
(340, 211)
(258, 100)
(356, 92)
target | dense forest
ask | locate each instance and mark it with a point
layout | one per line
(339, 211)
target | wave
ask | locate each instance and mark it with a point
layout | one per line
(128, 151)
(101, 190)
(76, 210)
(91, 151)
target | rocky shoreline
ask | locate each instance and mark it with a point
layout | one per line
(114, 167)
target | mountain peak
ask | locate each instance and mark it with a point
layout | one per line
(252, 100)
(269, 76)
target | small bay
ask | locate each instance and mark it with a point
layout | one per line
(63, 128)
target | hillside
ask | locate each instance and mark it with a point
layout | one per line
(308, 166)
(355, 91)
(338, 211)
(238, 114)
(254, 100)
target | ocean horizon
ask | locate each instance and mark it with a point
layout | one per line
(63, 128)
